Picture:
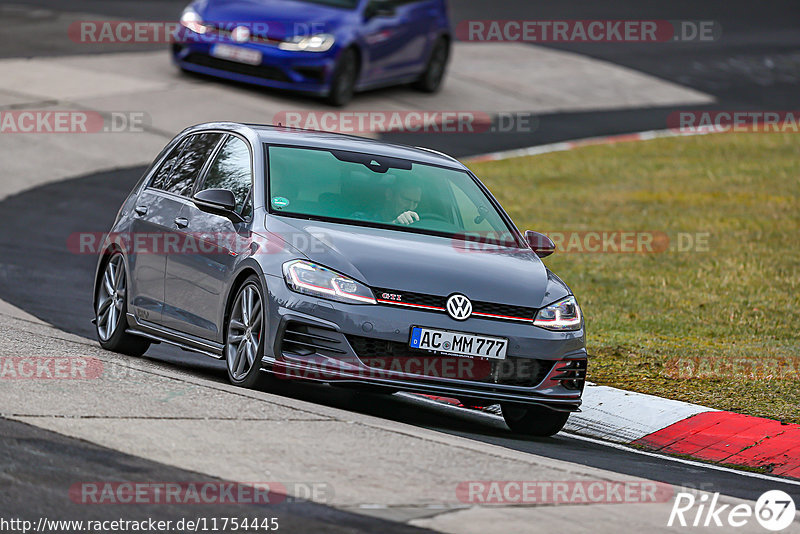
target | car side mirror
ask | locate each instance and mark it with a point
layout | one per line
(541, 245)
(379, 8)
(220, 201)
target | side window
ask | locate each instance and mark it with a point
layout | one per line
(162, 174)
(231, 170)
(196, 150)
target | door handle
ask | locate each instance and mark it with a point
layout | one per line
(141, 210)
(182, 222)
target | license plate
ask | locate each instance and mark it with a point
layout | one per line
(237, 53)
(458, 343)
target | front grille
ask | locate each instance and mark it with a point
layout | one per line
(504, 310)
(258, 71)
(435, 303)
(389, 296)
(399, 357)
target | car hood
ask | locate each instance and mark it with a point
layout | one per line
(284, 18)
(419, 263)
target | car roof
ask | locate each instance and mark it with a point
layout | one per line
(281, 135)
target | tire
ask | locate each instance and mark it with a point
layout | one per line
(431, 80)
(343, 83)
(111, 308)
(245, 335)
(533, 420)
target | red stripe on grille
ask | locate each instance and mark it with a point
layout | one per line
(503, 317)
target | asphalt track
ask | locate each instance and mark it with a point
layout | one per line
(28, 452)
(756, 66)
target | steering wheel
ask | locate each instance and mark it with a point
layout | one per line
(433, 216)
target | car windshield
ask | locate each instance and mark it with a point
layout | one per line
(370, 190)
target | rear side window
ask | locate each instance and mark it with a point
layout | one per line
(185, 170)
(162, 174)
(231, 170)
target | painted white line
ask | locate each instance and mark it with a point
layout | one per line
(563, 146)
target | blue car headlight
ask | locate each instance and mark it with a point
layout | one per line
(312, 279)
(192, 20)
(321, 42)
(562, 315)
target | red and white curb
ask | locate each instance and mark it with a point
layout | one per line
(689, 430)
(623, 416)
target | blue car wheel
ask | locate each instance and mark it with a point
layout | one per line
(344, 78)
(431, 79)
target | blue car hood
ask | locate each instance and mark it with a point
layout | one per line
(421, 263)
(285, 18)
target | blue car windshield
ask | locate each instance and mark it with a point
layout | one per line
(362, 189)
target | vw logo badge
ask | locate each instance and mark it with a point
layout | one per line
(459, 307)
(240, 34)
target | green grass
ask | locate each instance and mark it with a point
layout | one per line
(716, 327)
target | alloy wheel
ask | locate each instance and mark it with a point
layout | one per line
(244, 332)
(111, 298)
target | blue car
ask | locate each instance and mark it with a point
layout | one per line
(330, 48)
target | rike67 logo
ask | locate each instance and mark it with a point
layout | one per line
(774, 510)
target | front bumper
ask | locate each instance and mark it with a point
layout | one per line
(307, 72)
(326, 341)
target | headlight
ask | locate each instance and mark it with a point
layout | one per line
(192, 20)
(321, 42)
(312, 279)
(562, 315)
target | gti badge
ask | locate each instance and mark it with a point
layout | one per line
(459, 307)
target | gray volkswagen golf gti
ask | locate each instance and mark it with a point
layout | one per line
(340, 259)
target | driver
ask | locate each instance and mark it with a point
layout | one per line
(401, 202)
(399, 206)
